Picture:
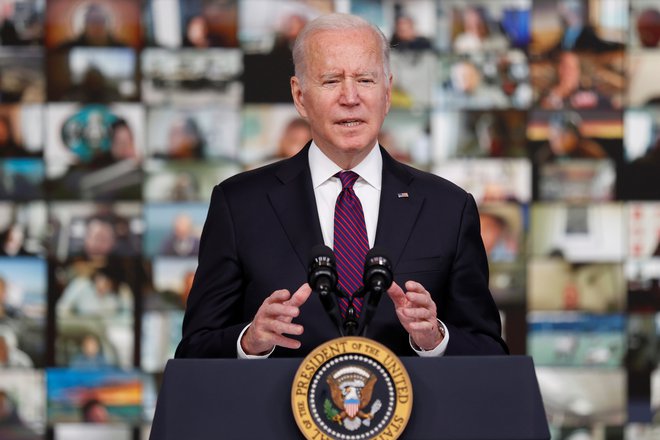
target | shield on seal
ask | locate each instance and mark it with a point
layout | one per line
(351, 406)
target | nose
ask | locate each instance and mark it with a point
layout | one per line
(349, 93)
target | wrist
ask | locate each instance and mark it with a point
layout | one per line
(440, 336)
(250, 347)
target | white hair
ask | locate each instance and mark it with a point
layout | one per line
(336, 22)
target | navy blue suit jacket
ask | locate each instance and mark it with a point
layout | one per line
(257, 238)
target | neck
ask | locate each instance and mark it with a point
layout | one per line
(346, 160)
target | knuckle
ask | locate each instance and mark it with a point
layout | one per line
(280, 327)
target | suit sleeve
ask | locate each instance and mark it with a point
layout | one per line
(469, 311)
(214, 315)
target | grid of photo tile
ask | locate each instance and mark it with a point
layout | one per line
(117, 118)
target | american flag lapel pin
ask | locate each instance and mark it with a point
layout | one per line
(402, 195)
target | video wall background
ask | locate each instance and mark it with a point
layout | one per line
(117, 117)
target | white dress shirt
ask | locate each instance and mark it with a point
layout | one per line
(367, 188)
(327, 189)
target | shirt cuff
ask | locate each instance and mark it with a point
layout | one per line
(437, 351)
(243, 355)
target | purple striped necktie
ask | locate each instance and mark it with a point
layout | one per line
(350, 240)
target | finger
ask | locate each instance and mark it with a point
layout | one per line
(278, 296)
(300, 296)
(280, 327)
(397, 295)
(414, 286)
(284, 318)
(418, 313)
(423, 326)
(285, 342)
(420, 299)
(265, 328)
(276, 310)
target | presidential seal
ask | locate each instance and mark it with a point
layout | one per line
(351, 388)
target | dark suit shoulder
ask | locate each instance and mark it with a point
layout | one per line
(249, 179)
(266, 177)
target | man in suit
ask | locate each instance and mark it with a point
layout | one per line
(250, 297)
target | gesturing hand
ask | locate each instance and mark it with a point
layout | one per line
(273, 319)
(417, 313)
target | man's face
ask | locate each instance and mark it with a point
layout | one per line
(491, 231)
(123, 146)
(99, 238)
(102, 284)
(472, 21)
(648, 27)
(293, 139)
(346, 95)
(292, 27)
(465, 77)
(183, 226)
(96, 25)
(405, 29)
(90, 346)
(562, 141)
(98, 414)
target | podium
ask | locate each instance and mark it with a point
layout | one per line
(480, 397)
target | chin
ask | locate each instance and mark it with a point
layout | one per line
(356, 147)
(358, 142)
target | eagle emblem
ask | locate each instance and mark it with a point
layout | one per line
(351, 388)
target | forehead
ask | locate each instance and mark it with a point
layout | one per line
(355, 49)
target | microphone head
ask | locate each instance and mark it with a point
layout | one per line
(322, 273)
(377, 269)
(377, 256)
(321, 250)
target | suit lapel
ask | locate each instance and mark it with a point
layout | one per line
(399, 208)
(295, 205)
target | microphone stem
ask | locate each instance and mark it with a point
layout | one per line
(350, 322)
(370, 308)
(329, 305)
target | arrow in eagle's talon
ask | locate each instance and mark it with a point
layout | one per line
(374, 409)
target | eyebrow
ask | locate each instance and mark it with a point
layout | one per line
(327, 76)
(334, 75)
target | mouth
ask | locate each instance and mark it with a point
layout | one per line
(350, 122)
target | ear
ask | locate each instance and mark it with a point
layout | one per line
(298, 98)
(388, 94)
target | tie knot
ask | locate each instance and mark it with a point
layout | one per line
(347, 178)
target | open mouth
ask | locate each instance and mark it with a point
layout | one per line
(350, 122)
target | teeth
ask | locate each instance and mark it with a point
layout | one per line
(350, 123)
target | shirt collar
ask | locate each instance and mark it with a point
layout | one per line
(322, 168)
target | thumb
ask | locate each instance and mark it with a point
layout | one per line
(397, 295)
(301, 295)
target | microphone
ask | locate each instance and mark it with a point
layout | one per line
(377, 279)
(377, 271)
(322, 277)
